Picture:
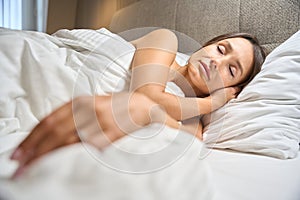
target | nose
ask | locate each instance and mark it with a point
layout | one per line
(214, 63)
(217, 62)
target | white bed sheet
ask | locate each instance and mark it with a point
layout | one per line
(70, 173)
(75, 172)
(251, 177)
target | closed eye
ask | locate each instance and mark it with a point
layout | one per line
(231, 70)
(221, 49)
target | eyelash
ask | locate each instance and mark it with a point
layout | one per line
(219, 49)
(231, 72)
(229, 68)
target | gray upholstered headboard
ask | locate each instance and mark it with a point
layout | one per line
(272, 21)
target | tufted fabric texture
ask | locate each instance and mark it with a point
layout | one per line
(272, 21)
(124, 3)
(156, 13)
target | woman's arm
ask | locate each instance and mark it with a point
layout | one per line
(155, 53)
(98, 120)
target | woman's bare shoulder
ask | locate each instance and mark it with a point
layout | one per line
(160, 38)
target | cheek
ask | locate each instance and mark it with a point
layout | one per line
(218, 80)
(227, 81)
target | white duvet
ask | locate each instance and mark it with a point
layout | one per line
(39, 73)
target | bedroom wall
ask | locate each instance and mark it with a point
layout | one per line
(72, 14)
(61, 14)
(95, 13)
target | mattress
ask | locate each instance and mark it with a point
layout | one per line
(70, 173)
(248, 176)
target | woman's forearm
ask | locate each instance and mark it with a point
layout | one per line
(181, 108)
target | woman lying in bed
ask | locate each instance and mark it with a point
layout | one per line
(213, 75)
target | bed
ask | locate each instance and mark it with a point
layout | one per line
(246, 153)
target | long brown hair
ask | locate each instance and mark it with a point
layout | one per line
(258, 52)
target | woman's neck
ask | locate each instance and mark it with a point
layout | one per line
(179, 75)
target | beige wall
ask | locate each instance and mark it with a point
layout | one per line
(95, 13)
(61, 14)
(79, 14)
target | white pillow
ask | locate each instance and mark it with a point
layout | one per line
(265, 117)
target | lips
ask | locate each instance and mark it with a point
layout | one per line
(205, 69)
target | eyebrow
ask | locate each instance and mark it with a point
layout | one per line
(229, 46)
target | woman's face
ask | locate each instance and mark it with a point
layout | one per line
(222, 64)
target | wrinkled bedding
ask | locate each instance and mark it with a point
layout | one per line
(40, 72)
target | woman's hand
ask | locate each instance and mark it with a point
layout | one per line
(220, 97)
(97, 120)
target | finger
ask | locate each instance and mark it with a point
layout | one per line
(20, 170)
(237, 89)
(58, 136)
(64, 131)
(39, 132)
(24, 164)
(231, 92)
(49, 143)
